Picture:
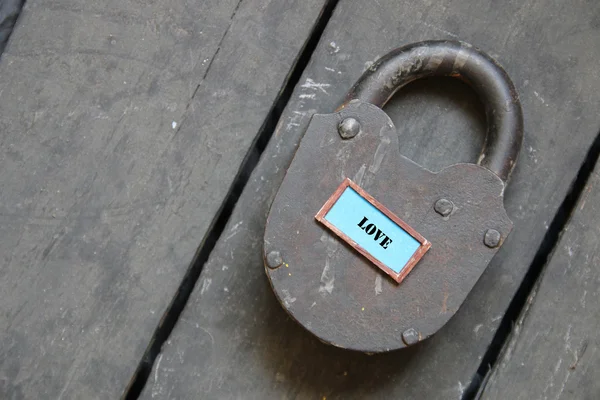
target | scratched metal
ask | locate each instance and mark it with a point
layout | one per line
(332, 290)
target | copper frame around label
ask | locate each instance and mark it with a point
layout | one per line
(398, 277)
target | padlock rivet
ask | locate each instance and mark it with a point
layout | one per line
(443, 207)
(348, 128)
(274, 259)
(492, 238)
(410, 336)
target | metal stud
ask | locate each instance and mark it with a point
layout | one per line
(348, 128)
(274, 259)
(443, 207)
(492, 238)
(410, 336)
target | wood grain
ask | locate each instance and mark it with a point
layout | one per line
(123, 125)
(554, 351)
(235, 341)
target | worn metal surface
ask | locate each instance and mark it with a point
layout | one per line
(337, 304)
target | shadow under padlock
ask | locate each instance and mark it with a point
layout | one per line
(352, 212)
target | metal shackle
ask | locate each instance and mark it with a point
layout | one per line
(459, 60)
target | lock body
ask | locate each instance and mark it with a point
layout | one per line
(370, 251)
(342, 297)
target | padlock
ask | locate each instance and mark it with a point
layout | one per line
(370, 251)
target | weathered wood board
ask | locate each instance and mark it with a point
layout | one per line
(9, 12)
(235, 341)
(122, 126)
(554, 351)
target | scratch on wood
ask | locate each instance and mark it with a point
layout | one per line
(296, 118)
(234, 230)
(212, 338)
(461, 389)
(540, 98)
(310, 84)
(579, 354)
(205, 285)
(440, 29)
(334, 48)
(156, 389)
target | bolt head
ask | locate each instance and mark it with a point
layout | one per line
(492, 238)
(410, 336)
(348, 128)
(274, 259)
(443, 207)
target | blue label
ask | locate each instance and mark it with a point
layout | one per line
(372, 230)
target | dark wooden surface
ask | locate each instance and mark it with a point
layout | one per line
(122, 126)
(554, 351)
(9, 12)
(235, 341)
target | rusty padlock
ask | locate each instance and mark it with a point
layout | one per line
(370, 251)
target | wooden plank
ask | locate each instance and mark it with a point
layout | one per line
(123, 124)
(9, 12)
(554, 349)
(235, 341)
